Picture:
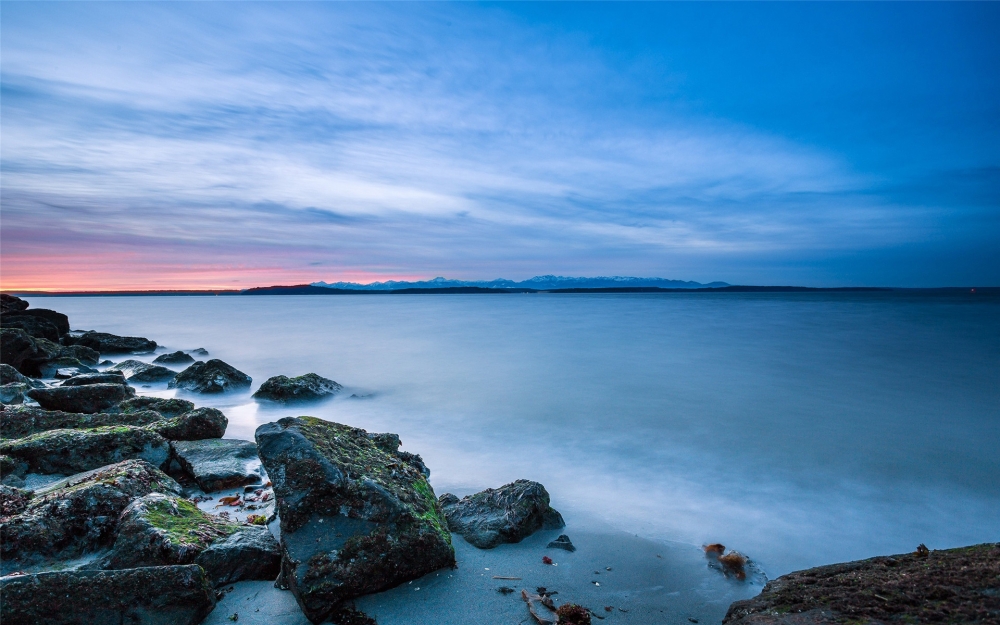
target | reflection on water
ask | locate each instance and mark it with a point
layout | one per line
(798, 428)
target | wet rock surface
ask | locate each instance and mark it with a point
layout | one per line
(213, 376)
(501, 515)
(111, 343)
(28, 420)
(16, 347)
(178, 595)
(78, 514)
(355, 519)
(87, 398)
(13, 393)
(137, 371)
(249, 553)
(562, 542)
(166, 407)
(13, 500)
(308, 387)
(952, 585)
(57, 319)
(34, 326)
(11, 303)
(193, 425)
(219, 463)
(73, 451)
(176, 358)
(113, 377)
(10, 375)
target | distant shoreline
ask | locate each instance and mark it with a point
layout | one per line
(305, 289)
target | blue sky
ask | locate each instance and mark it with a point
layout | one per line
(203, 144)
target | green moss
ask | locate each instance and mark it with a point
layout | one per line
(432, 515)
(185, 524)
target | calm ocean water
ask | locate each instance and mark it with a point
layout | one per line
(800, 429)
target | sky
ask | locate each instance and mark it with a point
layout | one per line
(230, 145)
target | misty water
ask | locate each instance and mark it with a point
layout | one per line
(800, 429)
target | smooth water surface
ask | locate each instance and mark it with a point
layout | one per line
(800, 429)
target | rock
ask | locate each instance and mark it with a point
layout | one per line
(218, 464)
(10, 375)
(79, 514)
(178, 595)
(390, 443)
(72, 451)
(110, 343)
(35, 326)
(193, 425)
(28, 420)
(13, 500)
(953, 585)
(84, 354)
(12, 470)
(502, 515)
(143, 372)
(57, 319)
(201, 351)
(355, 519)
(308, 387)
(11, 303)
(176, 358)
(59, 367)
(166, 407)
(563, 542)
(13, 393)
(16, 346)
(213, 376)
(251, 552)
(112, 377)
(88, 398)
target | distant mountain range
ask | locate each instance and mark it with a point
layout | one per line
(540, 283)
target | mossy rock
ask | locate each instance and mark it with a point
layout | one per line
(74, 450)
(166, 407)
(194, 425)
(25, 421)
(308, 387)
(501, 515)
(213, 376)
(356, 518)
(89, 398)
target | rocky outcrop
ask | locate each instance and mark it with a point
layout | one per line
(11, 303)
(16, 347)
(35, 326)
(110, 343)
(143, 371)
(308, 387)
(166, 407)
(248, 553)
(57, 319)
(87, 398)
(213, 376)
(355, 519)
(193, 425)
(218, 464)
(176, 358)
(13, 500)
(74, 451)
(25, 421)
(10, 375)
(110, 377)
(178, 595)
(77, 515)
(952, 586)
(501, 515)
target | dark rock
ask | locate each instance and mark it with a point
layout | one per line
(178, 595)
(166, 407)
(111, 377)
(193, 425)
(35, 326)
(88, 398)
(72, 451)
(59, 320)
(213, 376)
(13, 393)
(217, 464)
(77, 515)
(953, 586)
(501, 515)
(110, 343)
(59, 367)
(251, 552)
(28, 420)
(176, 358)
(51, 356)
(11, 468)
(201, 351)
(308, 387)
(563, 542)
(82, 353)
(355, 519)
(390, 443)
(10, 375)
(13, 500)
(16, 346)
(143, 372)
(11, 303)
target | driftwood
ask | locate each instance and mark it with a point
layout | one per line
(535, 603)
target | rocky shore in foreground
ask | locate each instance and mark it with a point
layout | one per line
(116, 507)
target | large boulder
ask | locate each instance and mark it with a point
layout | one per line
(73, 451)
(137, 371)
(35, 326)
(16, 347)
(947, 586)
(166, 407)
(88, 398)
(213, 376)
(59, 320)
(501, 515)
(86, 379)
(77, 515)
(110, 343)
(175, 595)
(176, 358)
(218, 464)
(193, 425)
(251, 552)
(355, 519)
(308, 387)
(10, 375)
(11, 303)
(28, 420)
(50, 349)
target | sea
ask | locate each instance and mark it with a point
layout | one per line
(799, 428)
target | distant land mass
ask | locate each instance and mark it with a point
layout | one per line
(538, 283)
